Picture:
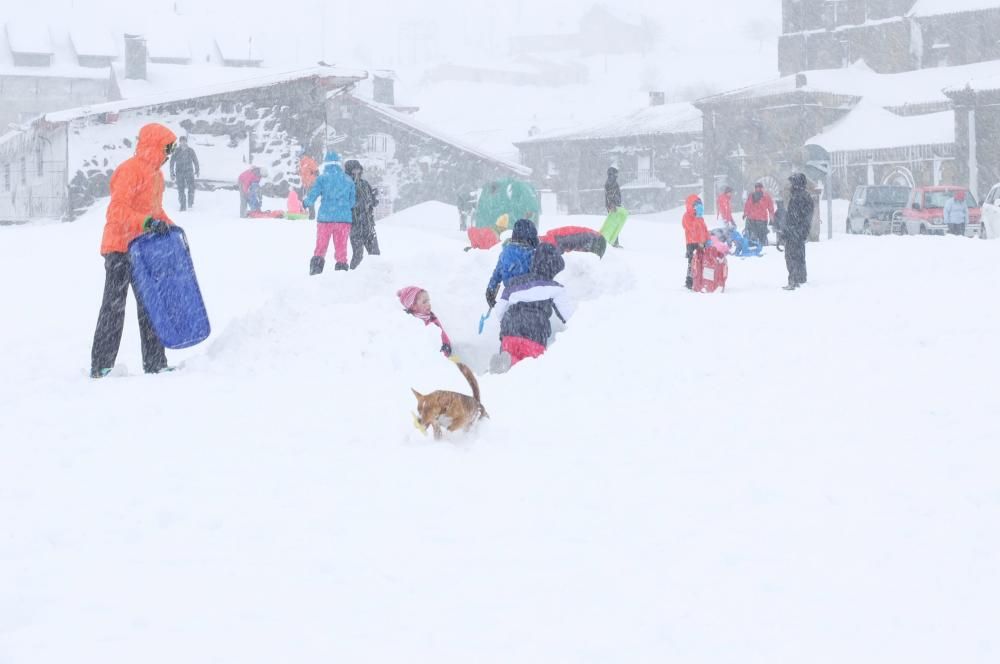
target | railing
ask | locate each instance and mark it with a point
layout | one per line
(643, 176)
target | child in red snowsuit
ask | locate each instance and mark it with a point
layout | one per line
(695, 233)
(417, 302)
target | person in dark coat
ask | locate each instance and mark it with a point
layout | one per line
(363, 235)
(527, 306)
(515, 259)
(795, 230)
(184, 169)
(612, 195)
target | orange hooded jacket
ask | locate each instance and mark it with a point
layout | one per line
(137, 190)
(695, 230)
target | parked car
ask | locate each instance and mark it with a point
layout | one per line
(924, 212)
(991, 214)
(872, 207)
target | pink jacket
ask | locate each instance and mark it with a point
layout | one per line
(247, 178)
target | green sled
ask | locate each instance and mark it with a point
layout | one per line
(613, 225)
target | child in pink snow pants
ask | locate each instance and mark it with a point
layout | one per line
(334, 217)
(340, 233)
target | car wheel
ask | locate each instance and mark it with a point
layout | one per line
(867, 228)
(848, 228)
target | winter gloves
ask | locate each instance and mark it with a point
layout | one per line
(446, 349)
(157, 226)
(491, 297)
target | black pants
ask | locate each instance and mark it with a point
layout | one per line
(185, 185)
(689, 280)
(363, 237)
(795, 260)
(956, 229)
(758, 231)
(111, 321)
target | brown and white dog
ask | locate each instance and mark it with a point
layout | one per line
(450, 410)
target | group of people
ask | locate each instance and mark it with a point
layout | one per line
(759, 210)
(794, 222)
(526, 268)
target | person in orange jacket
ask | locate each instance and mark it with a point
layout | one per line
(308, 172)
(136, 207)
(724, 206)
(695, 232)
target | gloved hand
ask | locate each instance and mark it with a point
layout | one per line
(155, 226)
(446, 349)
(491, 297)
(707, 244)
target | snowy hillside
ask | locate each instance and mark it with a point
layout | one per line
(753, 476)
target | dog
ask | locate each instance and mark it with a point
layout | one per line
(449, 410)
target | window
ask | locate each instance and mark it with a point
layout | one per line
(6, 177)
(381, 146)
(378, 143)
(24, 171)
(40, 162)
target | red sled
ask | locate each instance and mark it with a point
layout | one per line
(266, 214)
(709, 270)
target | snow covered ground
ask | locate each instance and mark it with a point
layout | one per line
(754, 476)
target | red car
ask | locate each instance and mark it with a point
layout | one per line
(924, 211)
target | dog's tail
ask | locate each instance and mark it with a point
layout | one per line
(471, 377)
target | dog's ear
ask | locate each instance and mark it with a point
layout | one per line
(418, 395)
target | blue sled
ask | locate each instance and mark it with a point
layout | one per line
(163, 278)
(742, 247)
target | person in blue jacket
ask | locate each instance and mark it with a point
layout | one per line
(337, 190)
(515, 259)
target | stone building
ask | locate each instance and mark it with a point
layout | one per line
(61, 163)
(658, 152)
(889, 35)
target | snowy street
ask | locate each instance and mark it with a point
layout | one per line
(749, 476)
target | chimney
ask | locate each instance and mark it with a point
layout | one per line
(384, 88)
(657, 98)
(135, 57)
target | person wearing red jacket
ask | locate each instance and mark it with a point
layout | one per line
(695, 232)
(724, 206)
(136, 207)
(757, 212)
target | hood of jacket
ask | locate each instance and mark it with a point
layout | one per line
(151, 147)
(525, 233)
(547, 262)
(689, 204)
(352, 165)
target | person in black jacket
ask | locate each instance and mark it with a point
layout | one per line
(612, 195)
(184, 169)
(362, 215)
(795, 231)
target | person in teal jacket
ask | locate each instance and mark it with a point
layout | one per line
(333, 220)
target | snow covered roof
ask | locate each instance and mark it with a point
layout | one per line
(407, 120)
(340, 76)
(28, 37)
(680, 118)
(871, 127)
(87, 41)
(922, 86)
(937, 7)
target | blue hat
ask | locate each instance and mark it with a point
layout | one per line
(331, 158)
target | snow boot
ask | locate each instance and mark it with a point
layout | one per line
(100, 373)
(316, 265)
(340, 266)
